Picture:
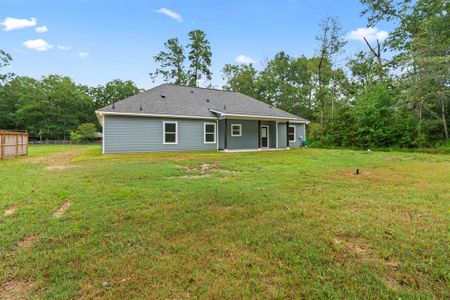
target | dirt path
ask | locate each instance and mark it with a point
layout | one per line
(58, 161)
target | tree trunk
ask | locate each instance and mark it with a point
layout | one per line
(332, 111)
(321, 118)
(444, 120)
(420, 118)
(320, 89)
(196, 77)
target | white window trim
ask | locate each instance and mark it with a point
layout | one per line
(268, 137)
(240, 129)
(295, 134)
(164, 132)
(217, 133)
(204, 132)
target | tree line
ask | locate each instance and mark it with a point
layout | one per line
(368, 101)
(393, 94)
(54, 106)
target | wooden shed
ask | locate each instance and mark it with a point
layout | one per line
(13, 143)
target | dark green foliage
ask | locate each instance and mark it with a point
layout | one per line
(113, 91)
(5, 60)
(364, 101)
(172, 65)
(372, 102)
(51, 108)
(199, 57)
(241, 78)
(55, 106)
(84, 133)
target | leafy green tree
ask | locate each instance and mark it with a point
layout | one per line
(431, 59)
(363, 69)
(241, 78)
(287, 83)
(5, 60)
(50, 108)
(84, 133)
(199, 57)
(6, 106)
(421, 40)
(171, 62)
(112, 91)
(10, 95)
(331, 43)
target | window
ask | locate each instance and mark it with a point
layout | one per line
(236, 129)
(170, 132)
(210, 133)
(292, 133)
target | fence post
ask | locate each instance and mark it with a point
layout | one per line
(2, 145)
(17, 145)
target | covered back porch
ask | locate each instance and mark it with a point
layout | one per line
(256, 134)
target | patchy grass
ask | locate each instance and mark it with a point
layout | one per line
(284, 224)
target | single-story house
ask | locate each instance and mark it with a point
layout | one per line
(181, 118)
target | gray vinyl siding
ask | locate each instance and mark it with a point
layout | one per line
(281, 135)
(249, 138)
(299, 132)
(142, 134)
(221, 134)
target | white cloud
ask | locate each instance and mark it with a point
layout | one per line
(83, 54)
(63, 48)
(13, 23)
(41, 29)
(370, 33)
(38, 45)
(171, 14)
(243, 59)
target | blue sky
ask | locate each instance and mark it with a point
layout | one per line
(95, 41)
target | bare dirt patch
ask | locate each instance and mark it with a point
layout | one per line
(193, 176)
(352, 247)
(10, 211)
(204, 170)
(59, 167)
(358, 249)
(28, 241)
(407, 216)
(205, 167)
(16, 289)
(57, 161)
(62, 209)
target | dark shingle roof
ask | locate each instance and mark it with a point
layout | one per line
(169, 99)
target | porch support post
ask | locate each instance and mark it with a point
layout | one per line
(287, 134)
(225, 137)
(259, 134)
(276, 134)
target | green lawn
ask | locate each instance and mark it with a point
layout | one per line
(283, 224)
